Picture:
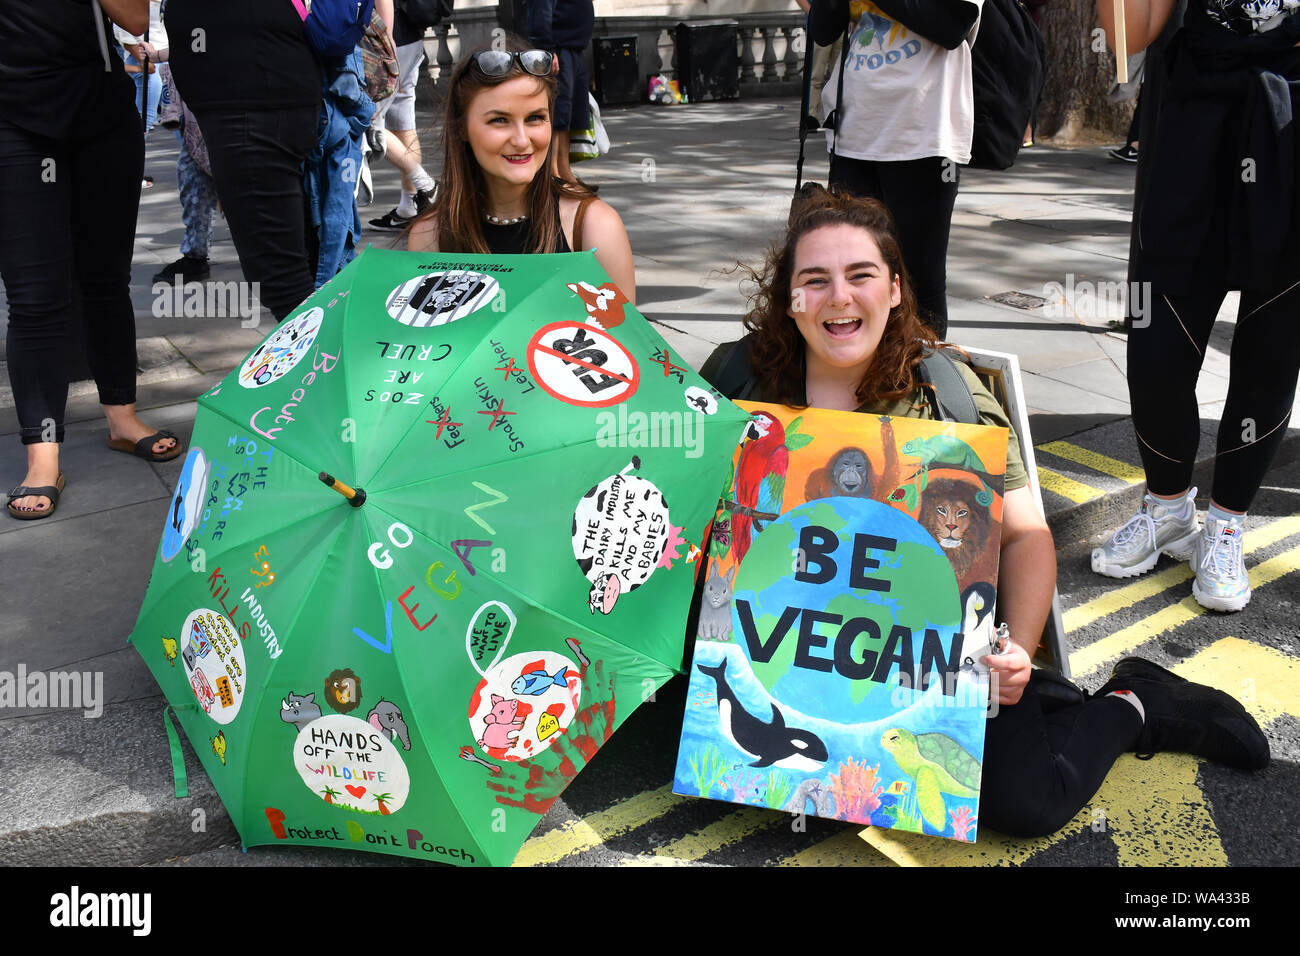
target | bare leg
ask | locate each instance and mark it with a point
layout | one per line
(404, 153)
(124, 423)
(42, 469)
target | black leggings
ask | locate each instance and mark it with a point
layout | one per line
(1164, 361)
(257, 158)
(67, 226)
(1046, 756)
(920, 195)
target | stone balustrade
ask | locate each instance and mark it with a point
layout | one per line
(770, 45)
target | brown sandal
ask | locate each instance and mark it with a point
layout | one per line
(144, 447)
(45, 491)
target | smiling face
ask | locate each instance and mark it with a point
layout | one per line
(508, 128)
(841, 291)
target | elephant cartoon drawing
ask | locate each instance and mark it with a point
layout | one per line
(387, 718)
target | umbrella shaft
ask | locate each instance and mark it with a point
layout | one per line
(356, 497)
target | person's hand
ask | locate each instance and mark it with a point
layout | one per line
(137, 50)
(1009, 672)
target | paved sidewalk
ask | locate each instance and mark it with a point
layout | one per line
(699, 187)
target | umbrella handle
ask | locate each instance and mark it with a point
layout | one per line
(356, 496)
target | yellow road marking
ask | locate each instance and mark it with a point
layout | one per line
(1152, 811)
(1076, 491)
(845, 849)
(1096, 461)
(992, 849)
(1095, 655)
(695, 846)
(575, 836)
(1156, 814)
(1076, 617)
(1267, 682)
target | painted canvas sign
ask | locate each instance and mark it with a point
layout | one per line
(423, 670)
(847, 599)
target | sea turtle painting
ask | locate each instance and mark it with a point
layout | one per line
(938, 764)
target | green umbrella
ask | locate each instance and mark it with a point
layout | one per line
(431, 545)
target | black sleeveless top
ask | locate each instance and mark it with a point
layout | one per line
(512, 240)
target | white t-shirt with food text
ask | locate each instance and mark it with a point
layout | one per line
(904, 97)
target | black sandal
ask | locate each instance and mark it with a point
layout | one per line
(144, 447)
(46, 491)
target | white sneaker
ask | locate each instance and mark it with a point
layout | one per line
(1158, 528)
(1221, 581)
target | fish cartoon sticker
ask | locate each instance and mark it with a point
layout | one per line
(283, 349)
(538, 682)
(522, 702)
(620, 530)
(187, 503)
(437, 298)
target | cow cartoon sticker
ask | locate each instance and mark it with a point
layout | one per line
(282, 350)
(620, 530)
(437, 298)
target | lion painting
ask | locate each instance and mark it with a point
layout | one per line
(343, 690)
(961, 526)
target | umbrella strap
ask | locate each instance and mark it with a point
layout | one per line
(179, 778)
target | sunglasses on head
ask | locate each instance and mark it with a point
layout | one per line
(500, 62)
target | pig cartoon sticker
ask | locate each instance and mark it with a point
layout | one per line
(522, 702)
(620, 530)
(501, 724)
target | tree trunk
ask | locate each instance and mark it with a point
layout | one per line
(1080, 71)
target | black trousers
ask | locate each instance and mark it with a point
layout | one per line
(67, 226)
(1046, 756)
(920, 194)
(1164, 361)
(257, 158)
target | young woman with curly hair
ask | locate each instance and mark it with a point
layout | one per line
(834, 325)
(497, 194)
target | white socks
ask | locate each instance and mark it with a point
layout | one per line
(421, 180)
(1225, 517)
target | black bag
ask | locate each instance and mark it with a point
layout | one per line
(1009, 67)
(425, 13)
